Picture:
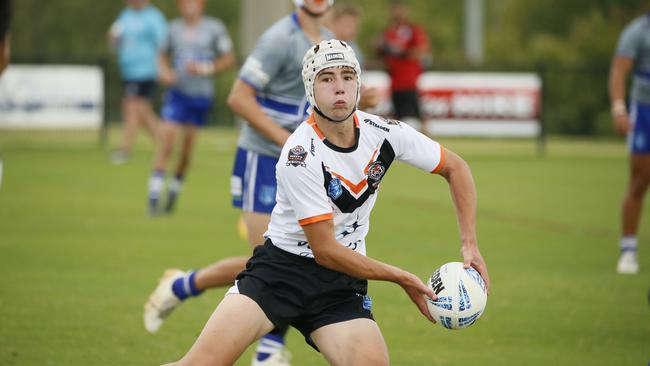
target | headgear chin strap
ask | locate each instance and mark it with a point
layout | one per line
(318, 112)
(326, 54)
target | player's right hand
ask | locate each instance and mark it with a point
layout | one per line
(167, 77)
(622, 124)
(418, 291)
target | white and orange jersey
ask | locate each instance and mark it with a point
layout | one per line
(320, 181)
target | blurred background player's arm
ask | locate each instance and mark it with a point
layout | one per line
(242, 101)
(620, 69)
(217, 65)
(166, 73)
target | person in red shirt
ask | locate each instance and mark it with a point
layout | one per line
(404, 48)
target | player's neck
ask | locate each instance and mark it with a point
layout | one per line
(340, 134)
(310, 25)
(192, 20)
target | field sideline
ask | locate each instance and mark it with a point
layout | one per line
(79, 255)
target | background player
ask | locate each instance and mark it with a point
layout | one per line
(308, 273)
(137, 34)
(632, 53)
(269, 96)
(404, 47)
(198, 47)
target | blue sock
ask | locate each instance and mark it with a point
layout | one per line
(185, 286)
(268, 345)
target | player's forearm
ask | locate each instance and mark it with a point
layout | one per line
(243, 103)
(223, 62)
(463, 193)
(339, 258)
(616, 83)
(618, 72)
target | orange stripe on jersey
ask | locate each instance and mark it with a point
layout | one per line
(314, 219)
(441, 162)
(356, 188)
(372, 159)
(356, 120)
(312, 122)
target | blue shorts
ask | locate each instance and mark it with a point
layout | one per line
(639, 138)
(183, 109)
(253, 183)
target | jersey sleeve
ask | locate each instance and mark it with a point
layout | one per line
(222, 41)
(630, 39)
(416, 149)
(265, 60)
(301, 178)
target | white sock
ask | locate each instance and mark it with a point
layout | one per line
(156, 185)
(175, 185)
(628, 243)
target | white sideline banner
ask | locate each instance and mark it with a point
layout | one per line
(471, 103)
(51, 97)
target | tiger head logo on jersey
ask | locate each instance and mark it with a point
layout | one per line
(376, 171)
(297, 156)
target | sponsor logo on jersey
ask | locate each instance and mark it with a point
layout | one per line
(297, 156)
(334, 56)
(373, 124)
(312, 149)
(335, 190)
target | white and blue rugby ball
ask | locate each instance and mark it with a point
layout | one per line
(462, 296)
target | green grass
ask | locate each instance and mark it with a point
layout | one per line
(78, 254)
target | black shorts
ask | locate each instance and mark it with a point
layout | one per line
(297, 291)
(139, 88)
(406, 104)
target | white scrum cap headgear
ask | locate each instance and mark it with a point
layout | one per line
(326, 54)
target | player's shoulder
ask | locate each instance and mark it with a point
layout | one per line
(639, 24)
(213, 22)
(280, 29)
(379, 124)
(153, 11)
(299, 150)
(176, 25)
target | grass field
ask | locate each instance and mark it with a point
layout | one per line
(79, 255)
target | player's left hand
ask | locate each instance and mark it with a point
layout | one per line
(472, 258)
(369, 97)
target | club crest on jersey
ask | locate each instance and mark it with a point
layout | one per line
(376, 171)
(335, 189)
(297, 156)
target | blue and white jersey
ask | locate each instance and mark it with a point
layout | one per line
(274, 69)
(140, 35)
(199, 43)
(634, 43)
